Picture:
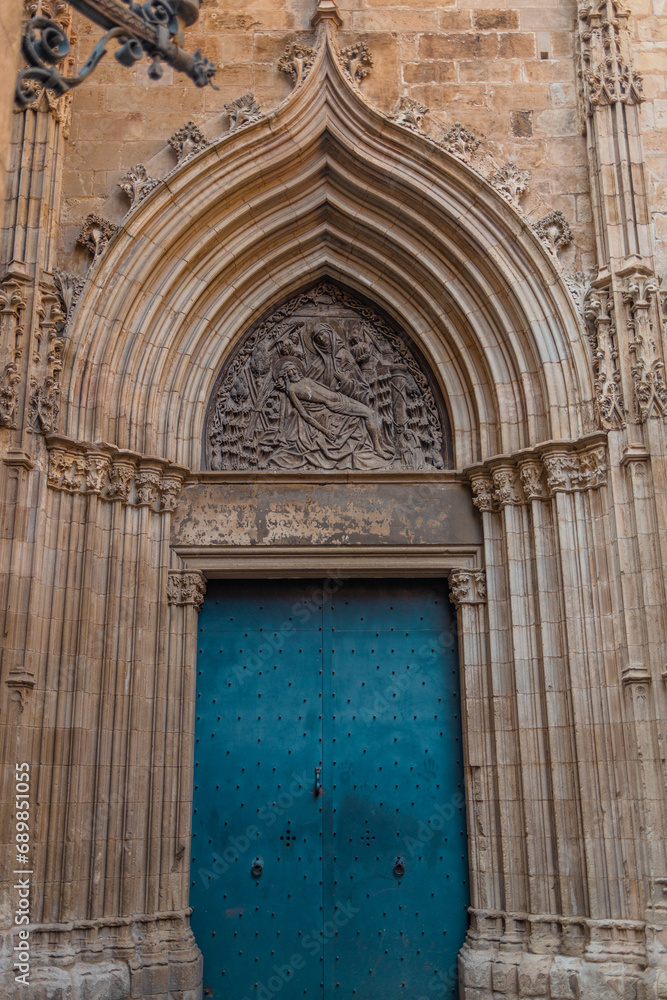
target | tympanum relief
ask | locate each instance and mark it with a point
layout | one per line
(325, 383)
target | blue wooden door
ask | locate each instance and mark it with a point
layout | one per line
(329, 850)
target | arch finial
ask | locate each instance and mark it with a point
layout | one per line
(327, 11)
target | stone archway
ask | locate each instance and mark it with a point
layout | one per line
(327, 187)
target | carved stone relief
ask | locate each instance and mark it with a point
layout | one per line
(409, 113)
(95, 234)
(461, 142)
(136, 183)
(599, 314)
(187, 140)
(243, 111)
(511, 182)
(357, 60)
(606, 74)
(296, 61)
(325, 383)
(554, 231)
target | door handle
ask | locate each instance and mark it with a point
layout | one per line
(399, 867)
(318, 780)
(257, 867)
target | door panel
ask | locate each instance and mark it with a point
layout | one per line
(363, 888)
(399, 839)
(258, 740)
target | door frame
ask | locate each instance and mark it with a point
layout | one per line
(462, 567)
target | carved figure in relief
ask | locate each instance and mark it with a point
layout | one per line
(324, 422)
(324, 384)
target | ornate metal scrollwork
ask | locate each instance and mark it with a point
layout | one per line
(153, 28)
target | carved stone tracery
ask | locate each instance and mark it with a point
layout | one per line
(606, 75)
(599, 315)
(647, 367)
(325, 383)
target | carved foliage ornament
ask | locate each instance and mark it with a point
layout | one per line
(554, 231)
(357, 60)
(95, 234)
(409, 113)
(12, 306)
(136, 183)
(44, 401)
(186, 587)
(461, 142)
(297, 61)
(113, 479)
(187, 140)
(243, 111)
(536, 477)
(511, 182)
(324, 383)
(467, 586)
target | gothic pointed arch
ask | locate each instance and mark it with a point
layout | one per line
(328, 187)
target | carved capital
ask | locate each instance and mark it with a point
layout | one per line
(567, 472)
(504, 489)
(467, 586)
(531, 472)
(147, 488)
(482, 491)
(186, 587)
(170, 490)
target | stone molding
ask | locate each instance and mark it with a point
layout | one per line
(186, 587)
(539, 474)
(467, 586)
(114, 475)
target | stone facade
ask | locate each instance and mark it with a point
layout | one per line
(489, 180)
